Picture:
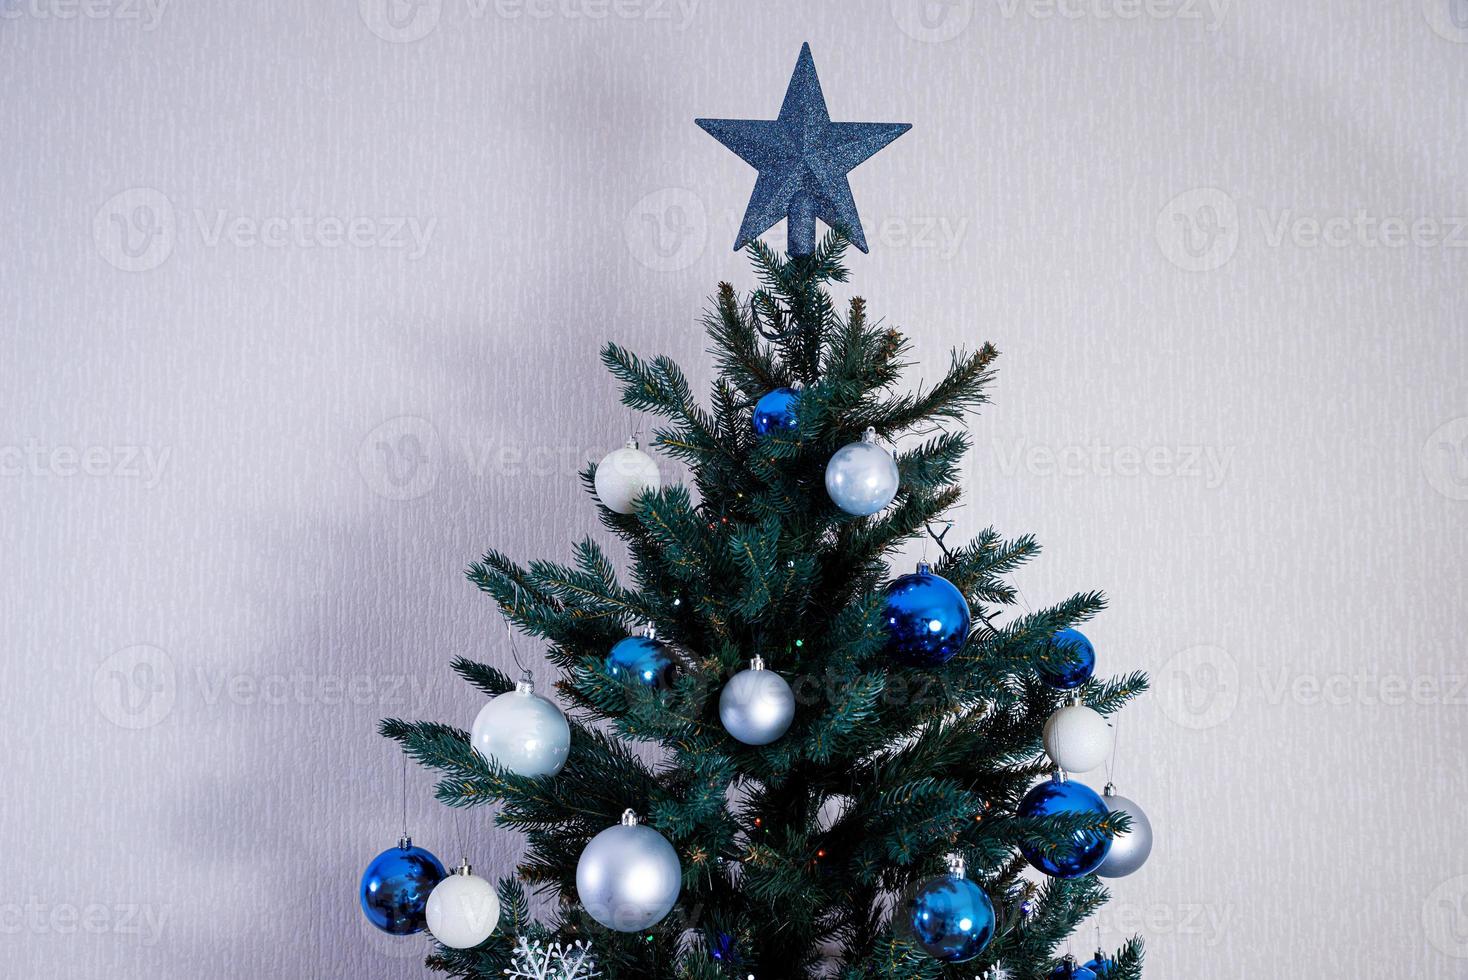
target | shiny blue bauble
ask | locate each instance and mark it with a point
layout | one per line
(1068, 969)
(395, 888)
(1086, 853)
(952, 918)
(926, 618)
(1101, 965)
(775, 412)
(1069, 660)
(642, 659)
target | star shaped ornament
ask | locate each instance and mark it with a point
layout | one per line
(803, 159)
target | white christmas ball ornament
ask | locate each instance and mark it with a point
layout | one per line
(757, 705)
(462, 909)
(628, 877)
(1077, 738)
(625, 474)
(862, 477)
(523, 732)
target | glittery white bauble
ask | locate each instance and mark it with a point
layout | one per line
(757, 705)
(625, 474)
(628, 877)
(1077, 738)
(523, 732)
(862, 477)
(1131, 850)
(463, 910)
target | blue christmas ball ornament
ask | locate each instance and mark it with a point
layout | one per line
(1101, 965)
(1061, 796)
(644, 659)
(927, 619)
(1068, 969)
(951, 916)
(1069, 660)
(395, 888)
(775, 412)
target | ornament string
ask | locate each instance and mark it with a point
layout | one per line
(510, 631)
(405, 795)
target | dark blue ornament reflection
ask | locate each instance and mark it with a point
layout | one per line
(1101, 965)
(775, 412)
(1069, 660)
(723, 949)
(641, 659)
(952, 918)
(395, 888)
(926, 618)
(1087, 850)
(1070, 970)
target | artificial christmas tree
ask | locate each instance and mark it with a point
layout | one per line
(894, 793)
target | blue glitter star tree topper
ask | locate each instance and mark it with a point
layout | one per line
(803, 159)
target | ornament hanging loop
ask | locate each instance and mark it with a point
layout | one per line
(957, 867)
(629, 818)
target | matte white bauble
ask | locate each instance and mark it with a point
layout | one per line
(625, 474)
(1077, 738)
(463, 909)
(523, 732)
(861, 478)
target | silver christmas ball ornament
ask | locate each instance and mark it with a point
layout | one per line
(861, 477)
(1131, 850)
(628, 877)
(523, 732)
(757, 706)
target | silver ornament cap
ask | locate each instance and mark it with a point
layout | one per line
(1130, 850)
(756, 706)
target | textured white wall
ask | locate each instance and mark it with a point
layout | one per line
(243, 470)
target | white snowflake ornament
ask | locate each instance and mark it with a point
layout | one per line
(536, 961)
